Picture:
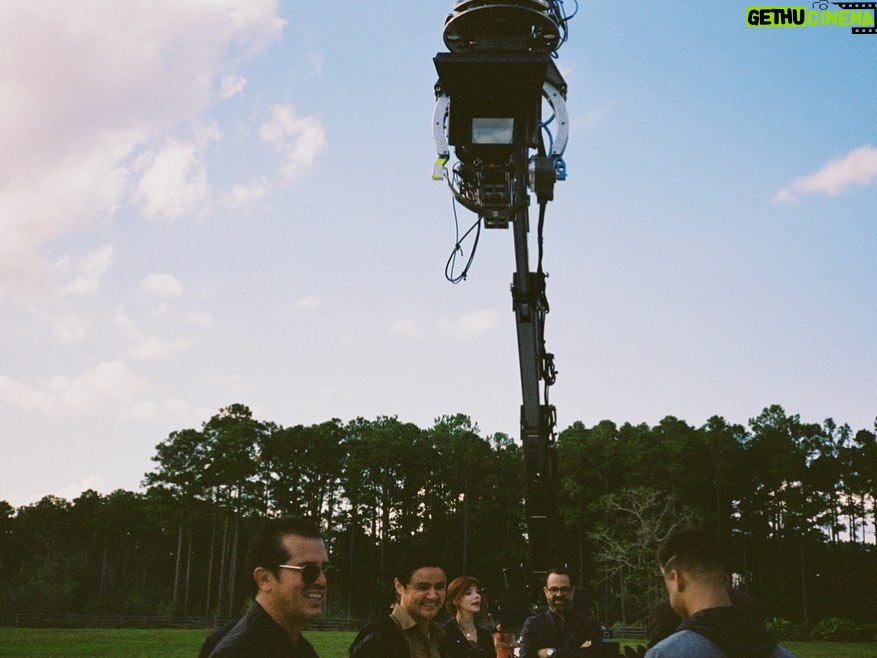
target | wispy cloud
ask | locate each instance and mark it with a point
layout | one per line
(69, 328)
(174, 182)
(69, 193)
(406, 327)
(242, 194)
(200, 318)
(231, 85)
(74, 489)
(150, 348)
(65, 328)
(308, 303)
(146, 347)
(299, 139)
(109, 383)
(232, 385)
(87, 271)
(162, 285)
(858, 167)
(473, 324)
(170, 410)
(85, 93)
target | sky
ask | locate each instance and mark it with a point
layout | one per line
(214, 202)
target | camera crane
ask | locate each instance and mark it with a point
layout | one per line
(492, 87)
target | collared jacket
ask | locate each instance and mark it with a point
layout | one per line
(386, 637)
(455, 644)
(543, 631)
(256, 634)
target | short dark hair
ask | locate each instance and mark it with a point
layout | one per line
(693, 549)
(415, 559)
(266, 548)
(560, 571)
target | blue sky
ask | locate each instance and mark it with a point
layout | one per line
(208, 203)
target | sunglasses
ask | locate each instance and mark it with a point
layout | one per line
(310, 572)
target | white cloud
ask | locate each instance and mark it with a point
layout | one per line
(299, 139)
(231, 385)
(72, 192)
(85, 86)
(69, 328)
(473, 324)
(245, 193)
(174, 183)
(75, 489)
(858, 167)
(65, 328)
(108, 384)
(87, 271)
(149, 348)
(407, 327)
(231, 85)
(200, 318)
(145, 347)
(308, 303)
(168, 410)
(162, 285)
(206, 132)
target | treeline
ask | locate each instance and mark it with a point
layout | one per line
(795, 502)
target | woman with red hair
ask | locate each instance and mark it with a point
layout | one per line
(464, 636)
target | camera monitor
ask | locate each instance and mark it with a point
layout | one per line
(499, 131)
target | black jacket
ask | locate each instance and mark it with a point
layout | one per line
(380, 639)
(256, 634)
(543, 630)
(733, 631)
(455, 644)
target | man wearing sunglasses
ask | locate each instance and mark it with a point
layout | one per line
(290, 567)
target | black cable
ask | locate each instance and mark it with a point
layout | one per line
(539, 228)
(452, 259)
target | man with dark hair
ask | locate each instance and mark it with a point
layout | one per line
(410, 630)
(561, 631)
(696, 577)
(290, 567)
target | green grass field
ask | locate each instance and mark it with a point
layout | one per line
(137, 643)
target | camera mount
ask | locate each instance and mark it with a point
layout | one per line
(505, 25)
(489, 107)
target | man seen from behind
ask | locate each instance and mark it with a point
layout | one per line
(696, 577)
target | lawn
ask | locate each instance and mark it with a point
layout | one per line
(132, 643)
(140, 643)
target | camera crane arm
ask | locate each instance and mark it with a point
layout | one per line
(489, 100)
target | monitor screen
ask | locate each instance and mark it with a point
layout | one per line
(493, 130)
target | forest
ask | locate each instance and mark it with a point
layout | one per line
(794, 501)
